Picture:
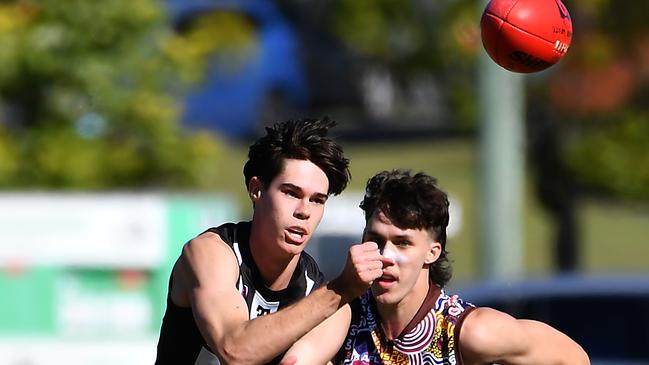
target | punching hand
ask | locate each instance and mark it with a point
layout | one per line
(364, 264)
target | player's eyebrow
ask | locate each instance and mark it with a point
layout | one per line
(399, 236)
(318, 195)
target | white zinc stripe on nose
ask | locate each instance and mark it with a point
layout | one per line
(397, 257)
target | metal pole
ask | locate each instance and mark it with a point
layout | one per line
(501, 147)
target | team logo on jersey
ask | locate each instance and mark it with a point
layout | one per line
(359, 349)
(261, 311)
(360, 356)
(261, 307)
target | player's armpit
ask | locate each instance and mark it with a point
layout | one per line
(490, 336)
(321, 344)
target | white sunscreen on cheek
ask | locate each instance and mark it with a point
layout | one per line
(397, 257)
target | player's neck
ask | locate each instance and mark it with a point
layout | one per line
(395, 317)
(276, 275)
(276, 268)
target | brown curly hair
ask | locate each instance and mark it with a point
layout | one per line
(412, 202)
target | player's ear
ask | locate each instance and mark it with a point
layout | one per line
(434, 252)
(255, 188)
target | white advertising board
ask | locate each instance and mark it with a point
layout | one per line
(82, 230)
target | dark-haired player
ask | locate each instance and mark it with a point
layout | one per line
(238, 292)
(407, 317)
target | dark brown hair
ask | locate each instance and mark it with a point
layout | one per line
(302, 139)
(412, 202)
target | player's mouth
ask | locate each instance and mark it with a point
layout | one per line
(296, 235)
(386, 281)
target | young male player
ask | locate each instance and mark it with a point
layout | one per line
(407, 317)
(237, 292)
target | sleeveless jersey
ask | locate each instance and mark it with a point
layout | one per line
(181, 342)
(430, 337)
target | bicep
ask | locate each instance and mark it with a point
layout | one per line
(547, 345)
(321, 344)
(491, 336)
(210, 272)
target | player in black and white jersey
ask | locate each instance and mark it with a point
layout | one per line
(238, 292)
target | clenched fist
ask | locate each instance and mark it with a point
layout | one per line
(364, 264)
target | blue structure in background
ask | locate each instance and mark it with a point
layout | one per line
(232, 100)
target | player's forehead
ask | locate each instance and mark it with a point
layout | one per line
(380, 225)
(302, 175)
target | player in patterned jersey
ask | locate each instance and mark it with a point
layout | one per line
(238, 292)
(407, 317)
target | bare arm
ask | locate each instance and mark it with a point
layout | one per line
(322, 343)
(209, 272)
(489, 336)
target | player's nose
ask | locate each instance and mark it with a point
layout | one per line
(302, 210)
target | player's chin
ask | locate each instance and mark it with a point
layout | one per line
(385, 298)
(383, 294)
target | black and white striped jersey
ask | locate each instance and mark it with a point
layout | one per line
(180, 341)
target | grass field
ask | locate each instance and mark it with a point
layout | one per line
(614, 236)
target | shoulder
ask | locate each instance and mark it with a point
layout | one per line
(230, 232)
(206, 243)
(203, 258)
(217, 238)
(477, 326)
(484, 331)
(209, 251)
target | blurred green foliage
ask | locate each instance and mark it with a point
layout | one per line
(85, 99)
(614, 158)
(600, 91)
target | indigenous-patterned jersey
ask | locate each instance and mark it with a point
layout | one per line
(430, 338)
(180, 340)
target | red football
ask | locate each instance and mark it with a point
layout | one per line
(526, 35)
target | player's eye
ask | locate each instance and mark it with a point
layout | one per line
(319, 201)
(292, 193)
(402, 243)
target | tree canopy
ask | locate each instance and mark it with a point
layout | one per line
(86, 98)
